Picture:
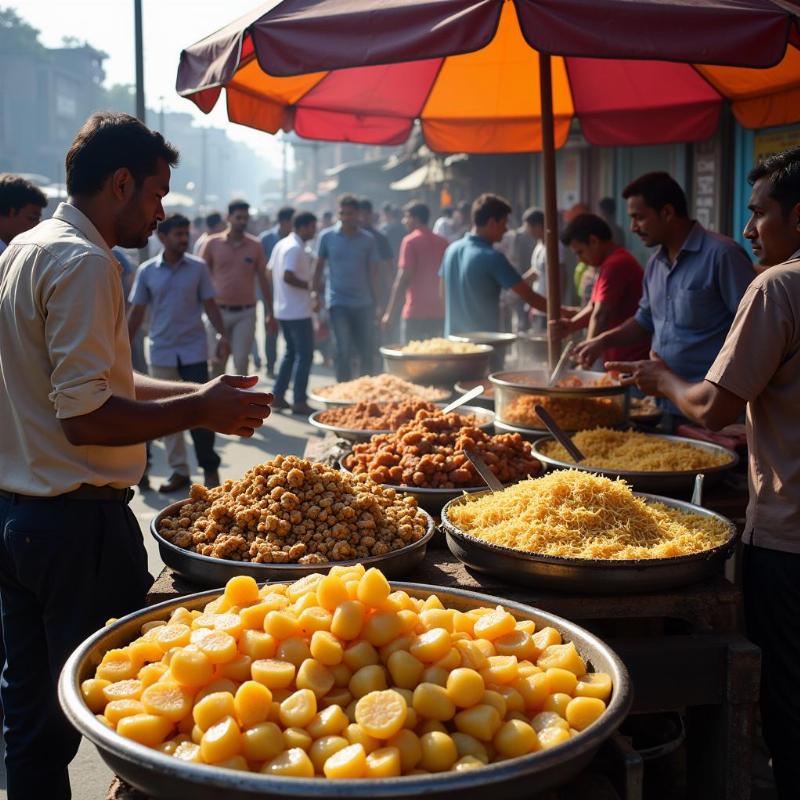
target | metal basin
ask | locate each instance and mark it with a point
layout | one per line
(676, 480)
(165, 778)
(208, 571)
(484, 416)
(590, 576)
(438, 369)
(499, 341)
(327, 402)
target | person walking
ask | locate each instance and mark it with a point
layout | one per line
(21, 204)
(386, 268)
(269, 239)
(417, 284)
(351, 289)
(75, 420)
(292, 272)
(214, 224)
(393, 228)
(177, 288)
(236, 262)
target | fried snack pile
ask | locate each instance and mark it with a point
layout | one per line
(293, 510)
(381, 416)
(440, 346)
(339, 677)
(571, 413)
(636, 452)
(380, 389)
(429, 452)
(575, 514)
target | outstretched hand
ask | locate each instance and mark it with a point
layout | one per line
(227, 408)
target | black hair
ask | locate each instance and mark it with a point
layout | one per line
(238, 205)
(608, 205)
(533, 216)
(213, 218)
(489, 206)
(418, 210)
(302, 219)
(658, 189)
(584, 226)
(109, 141)
(171, 222)
(285, 214)
(364, 204)
(783, 172)
(16, 193)
(348, 201)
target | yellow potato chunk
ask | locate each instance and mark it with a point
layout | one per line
(348, 619)
(272, 673)
(221, 741)
(468, 763)
(517, 643)
(465, 687)
(408, 745)
(254, 644)
(514, 701)
(326, 648)
(213, 708)
(438, 618)
(360, 654)
(297, 737)
(92, 691)
(433, 702)
(493, 698)
(548, 719)
(481, 721)
(336, 697)
(381, 714)
(534, 690)
(561, 680)
(293, 763)
(219, 685)
(439, 751)
(593, 684)
(435, 675)
(144, 650)
(252, 703)
(150, 673)
(130, 689)
(341, 675)
(583, 711)
(314, 619)
(382, 627)
(558, 703)
(314, 676)
(236, 762)
(551, 737)
(191, 668)
(298, 709)
(331, 721)
(238, 669)
(469, 746)
(188, 751)
(295, 650)
(167, 699)
(546, 637)
(331, 592)
(252, 617)
(368, 679)
(500, 669)
(322, 749)
(241, 590)
(515, 738)
(431, 645)
(495, 624)
(383, 763)
(147, 729)
(281, 625)
(118, 709)
(373, 589)
(355, 734)
(349, 762)
(176, 634)
(564, 656)
(262, 742)
(116, 665)
(406, 670)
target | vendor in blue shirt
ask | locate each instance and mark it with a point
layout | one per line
(474, 273)
(692, 283)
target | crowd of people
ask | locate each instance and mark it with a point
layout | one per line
(702, 328)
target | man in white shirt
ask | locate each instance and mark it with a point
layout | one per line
(21, 205)
(292, 273)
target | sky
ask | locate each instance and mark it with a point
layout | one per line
(169, 26)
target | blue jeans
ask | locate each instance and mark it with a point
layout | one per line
(354, 331)
(299, 336)
(66, 566)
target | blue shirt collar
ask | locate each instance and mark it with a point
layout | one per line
(162, 263)
(693, 244)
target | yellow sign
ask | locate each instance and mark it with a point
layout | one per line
(771, 142)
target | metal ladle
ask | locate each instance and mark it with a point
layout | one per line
(465, 398)
(559, 434)
(482, 468)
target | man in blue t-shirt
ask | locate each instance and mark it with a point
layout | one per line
(352, 293)
(474, 273)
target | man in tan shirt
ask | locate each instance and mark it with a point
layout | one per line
(75, 419)
(236, 261)
(759, 367)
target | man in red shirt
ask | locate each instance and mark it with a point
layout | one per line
(417, 280)
(617, 290)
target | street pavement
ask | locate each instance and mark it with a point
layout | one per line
(282, 433)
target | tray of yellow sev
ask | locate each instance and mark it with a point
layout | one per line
(576, 531)
(649, 462)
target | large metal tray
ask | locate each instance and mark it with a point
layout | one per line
(534, 381)
(165, 778)
(360, 435)
(327, 402)
(437, 369)
(681, 480)
(213, 572)
(590, 576)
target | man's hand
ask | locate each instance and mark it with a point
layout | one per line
(646, 375)
(386, 321)
(226, 408)
(316, 304)
(586, 353)
(560, 327)
(223, 349)
(271, 324)
(379, 315)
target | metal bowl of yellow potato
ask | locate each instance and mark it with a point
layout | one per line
(163, 777)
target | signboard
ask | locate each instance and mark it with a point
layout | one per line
(706, 179)
(769, 142)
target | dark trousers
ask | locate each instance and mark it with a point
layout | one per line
(354, 332)
(299, 336)
(66, 566)
(771, 580)
(271, 350)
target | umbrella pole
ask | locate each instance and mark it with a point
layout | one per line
(550, 207)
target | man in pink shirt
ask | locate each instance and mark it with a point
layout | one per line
(417, 280)
(236, 261)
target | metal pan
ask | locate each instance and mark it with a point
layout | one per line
(485, 400)
(436, 369)
(362, 435)
(165, 778)
(328, 402)
(213, 572)
(590, 576)
(676, 480)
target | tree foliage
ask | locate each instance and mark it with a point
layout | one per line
(16, 35)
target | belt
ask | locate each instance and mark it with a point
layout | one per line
(106, 494)
(236, 308)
